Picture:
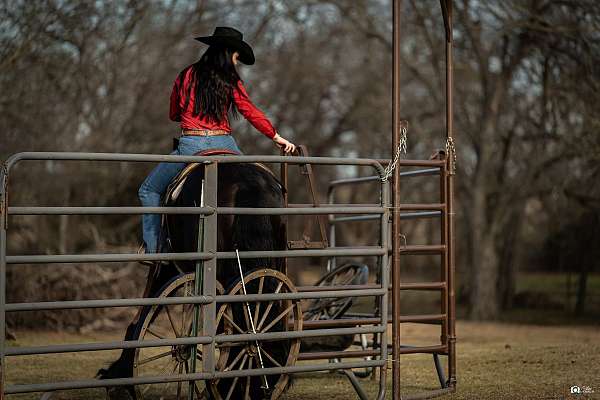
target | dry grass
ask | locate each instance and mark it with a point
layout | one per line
(495, 361)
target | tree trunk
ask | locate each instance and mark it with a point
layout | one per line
(485, 268)
(581, 288)
(484, 296)
(509, 246)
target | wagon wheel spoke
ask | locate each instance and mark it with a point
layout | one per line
(236, 359)
(183, 313)
(191, 325)
(248, 381)
(172, 372)
(270, 357)
(147, 387)
(230, 320)
(278, 318)
(155, 334)
(261, 282)
(171, 321)
(247, 317)
(180, 382)
(236, 379)
(153, 358)
(268, 309)
(233, 363)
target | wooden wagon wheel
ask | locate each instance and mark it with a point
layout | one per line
(268, 316)
(351, 273)
(168, 322)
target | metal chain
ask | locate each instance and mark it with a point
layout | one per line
(451, 154)
(389, 170)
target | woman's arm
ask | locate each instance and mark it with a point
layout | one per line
(258, 119)
(252, 113)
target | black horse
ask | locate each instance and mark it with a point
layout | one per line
(239, 185)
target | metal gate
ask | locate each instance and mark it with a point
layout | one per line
(206, 297)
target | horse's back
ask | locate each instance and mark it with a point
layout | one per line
(239, 185)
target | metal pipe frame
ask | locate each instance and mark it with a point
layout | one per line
(396, 128)
(208, 256)
(444, 168)
(448, 23)
(96, 383)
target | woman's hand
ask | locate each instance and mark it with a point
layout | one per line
(284, 144)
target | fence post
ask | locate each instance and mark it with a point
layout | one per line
(3, 227)
(209, 283)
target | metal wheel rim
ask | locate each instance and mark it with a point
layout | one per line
(294, 349)
(179, 390)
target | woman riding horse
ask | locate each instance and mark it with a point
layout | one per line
(204, 95)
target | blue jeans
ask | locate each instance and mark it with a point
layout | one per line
(158, 180)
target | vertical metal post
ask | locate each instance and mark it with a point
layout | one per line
(284, 182)
(450, 199)
(209, 287)
(445, 260)
(396, 207)
(3, 227)
(198, 279)
(384, 274)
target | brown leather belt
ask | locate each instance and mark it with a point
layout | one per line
(203, 132)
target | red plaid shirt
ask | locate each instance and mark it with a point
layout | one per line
(240, 97)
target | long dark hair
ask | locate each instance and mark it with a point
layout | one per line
(214, 78)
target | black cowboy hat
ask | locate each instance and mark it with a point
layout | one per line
(230, 37)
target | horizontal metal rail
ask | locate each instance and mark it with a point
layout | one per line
(374, 178)
(108, 210)
(237, 159)
(97, 258)
(94, 258)
(415, 163)
(334, 323)
(129, 344)
(411, 215)
(301, 210)
(427, 249)
(328, 355)
(437, 349)
(270, 336)
(338, 209)
(100, 346)
(105, 303)
(299, 295)
(404, 286)
(423, 286)
(98, 383)
(102, 303)
(422, 207)
(328, 252)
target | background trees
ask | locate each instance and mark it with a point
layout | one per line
(95, 76)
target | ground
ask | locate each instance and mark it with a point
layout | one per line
(495, 361)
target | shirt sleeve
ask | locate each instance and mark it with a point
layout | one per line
(255, 116)
(174, 109)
